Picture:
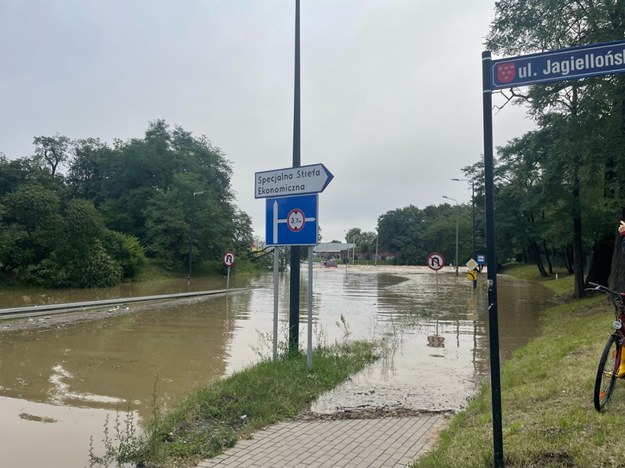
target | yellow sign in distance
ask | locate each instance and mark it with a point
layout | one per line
(472, 275)
(472, 264)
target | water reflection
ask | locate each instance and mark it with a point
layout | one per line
(433, 330)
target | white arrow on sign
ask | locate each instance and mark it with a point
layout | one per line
(303, 180)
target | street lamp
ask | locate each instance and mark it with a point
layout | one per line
(453, 199)
(191, 237)
(472, 212)
(377, 239)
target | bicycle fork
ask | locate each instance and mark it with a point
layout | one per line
(619, 363)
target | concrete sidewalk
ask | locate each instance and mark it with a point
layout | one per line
(382, 442)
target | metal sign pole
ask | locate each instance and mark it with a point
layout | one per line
(276, 279)
(295, 249)
(491, 259)
(310, 301)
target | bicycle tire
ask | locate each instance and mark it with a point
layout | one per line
(606, 373)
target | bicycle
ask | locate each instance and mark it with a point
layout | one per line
(610, 362)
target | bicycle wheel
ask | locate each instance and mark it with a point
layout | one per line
(606, 373)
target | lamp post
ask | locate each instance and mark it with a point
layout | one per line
(347, 237)
(453, 199)
(377, 238)
(191, 238)
(472, 212)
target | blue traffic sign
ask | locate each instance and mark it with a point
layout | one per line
(292, 220)
(558, 65)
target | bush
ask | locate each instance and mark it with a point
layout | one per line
(127, 252)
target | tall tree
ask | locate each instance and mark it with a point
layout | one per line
(51, 152)
(525, 26)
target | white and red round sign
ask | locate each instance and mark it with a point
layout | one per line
(436, 261)
(296, 220)
(229, 259)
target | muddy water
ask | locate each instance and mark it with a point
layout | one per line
(57, 386)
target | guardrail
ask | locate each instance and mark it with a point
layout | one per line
(43, 309)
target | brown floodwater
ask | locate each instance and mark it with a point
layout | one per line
(59, 385)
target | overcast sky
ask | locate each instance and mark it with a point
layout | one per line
(391, 89)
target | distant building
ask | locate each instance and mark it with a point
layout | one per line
(332, 249)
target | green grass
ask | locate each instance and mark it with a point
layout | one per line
(561, 282)
(547, 390)
(215, 417)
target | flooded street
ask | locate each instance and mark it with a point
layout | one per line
(58, 385)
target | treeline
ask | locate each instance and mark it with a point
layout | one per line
(560, 189)
(564, 183)
(408, 235)
(82, 213)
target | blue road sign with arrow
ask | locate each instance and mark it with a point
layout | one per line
(292, 220)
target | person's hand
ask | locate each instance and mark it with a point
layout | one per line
(621, 228)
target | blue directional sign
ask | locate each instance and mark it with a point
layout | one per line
(558, 65)
(292, 220)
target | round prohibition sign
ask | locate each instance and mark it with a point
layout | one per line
(436, 261)
(229, 259)
(296, 220)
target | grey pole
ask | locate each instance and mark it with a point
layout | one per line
(456, 260)
(472, 213)
(377, 238)
(295, 249)
(191, 237)
(276, 278)
(309, 358)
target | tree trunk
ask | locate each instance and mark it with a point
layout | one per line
(535, 256)
(567, 256)
(601, 262)
(578, 259)
(548, 257)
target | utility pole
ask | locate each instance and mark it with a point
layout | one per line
(456, 260)
(472, 213)
(295, 249)
(190, 259)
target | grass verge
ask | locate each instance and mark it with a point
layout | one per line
(548, 414)
(232, 408)
(561, 282)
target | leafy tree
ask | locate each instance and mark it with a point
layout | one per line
(243, 237)
(51, 152)
(83, 262)
(85, 175)
(167, 229)
(164, 195)
(524, 26)
(30, 218)
(127, 251)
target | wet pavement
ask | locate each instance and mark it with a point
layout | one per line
(382, 442)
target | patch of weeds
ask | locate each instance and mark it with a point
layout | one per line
(122, 443)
